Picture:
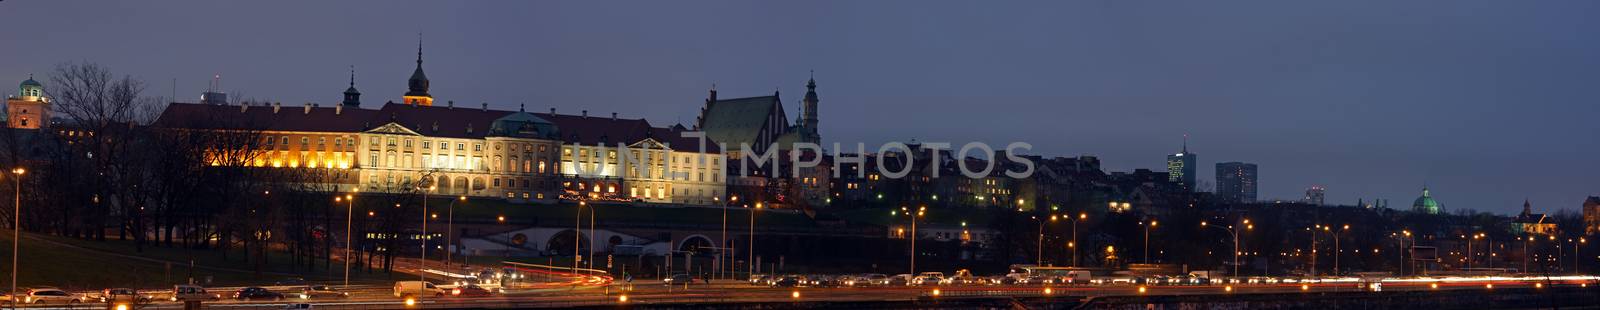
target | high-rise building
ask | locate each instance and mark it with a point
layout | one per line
(1314, 195)
(1180, 166)
(1591, 215)
(1236, 182)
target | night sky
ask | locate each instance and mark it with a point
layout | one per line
(1486, 102)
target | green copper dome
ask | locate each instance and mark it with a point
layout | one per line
(31, 82)
(1426, 204)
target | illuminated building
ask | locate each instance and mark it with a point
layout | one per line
(29, 109)
(479, 152)
(1425, 204)
(1236, 182)
(1180, 167)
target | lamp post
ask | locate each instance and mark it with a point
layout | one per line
(722, 250)
(577, 236)
(422, 260)
(1336, 248)
(1074, 244)
(1575, 257)
(1147, 239)
(752, 247)
(590, 262)
(920, 211)
(1402, 250)
(1039, 254)
(349, 213)
(1233, 231)
(16, 234)
(450, 229)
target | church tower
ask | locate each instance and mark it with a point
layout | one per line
(417, 86)
(30, 109)
(808, 113)
(352, 97)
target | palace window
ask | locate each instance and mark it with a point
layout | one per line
(461, 146)
(427, 144)
(477, 147)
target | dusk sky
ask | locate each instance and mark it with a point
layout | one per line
(1486, 102)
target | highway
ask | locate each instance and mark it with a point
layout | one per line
(588, 291)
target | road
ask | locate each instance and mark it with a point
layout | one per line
(575, 292)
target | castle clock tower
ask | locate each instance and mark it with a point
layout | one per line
(30, 109)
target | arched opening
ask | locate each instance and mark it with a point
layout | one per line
(561, 243)
(697, 244)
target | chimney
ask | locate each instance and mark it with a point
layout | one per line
(308, 108)
(243, 107)
(486, 107)
(276, 106)
(338, 108)
(552, 110)
(585, 113)
(613, 116)
(452, 105)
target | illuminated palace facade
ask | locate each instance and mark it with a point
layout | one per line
(467, 151)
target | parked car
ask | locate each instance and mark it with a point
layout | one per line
(928, 278)
(678, 279)
(51, 296)
(787, 281)
(470, 290)
(416, 289)
(256, 293)
(876, 279)
(192, 293)
(122, 295)
(900, 280)
(322, 291)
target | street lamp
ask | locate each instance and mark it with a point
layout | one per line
(349, 215)
(450, 229)
(920, 212)
(16, 235)
(422, 259)
(1039, 255)
(1074, 244)
(577, 236)
(1233, 231)
(1147, 240)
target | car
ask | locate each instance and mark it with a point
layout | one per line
(759, 279)
(928, 278)
(51, 296)
(416, 289)
(256, 293)
(123, 295)
(900, 280)
(876, 279)
(787, 281)
(678, 279)
(322, 291)
(470, 290)
(192, 293)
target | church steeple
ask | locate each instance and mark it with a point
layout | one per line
(808, 112)
(417, 86)
(352, 97)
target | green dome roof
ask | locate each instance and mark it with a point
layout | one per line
(31, 82)
(1426, 204)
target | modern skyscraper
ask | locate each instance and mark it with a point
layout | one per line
(1236, 182)
(1314, 195)
(1180, 166)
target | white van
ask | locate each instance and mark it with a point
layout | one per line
(416, 289)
